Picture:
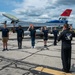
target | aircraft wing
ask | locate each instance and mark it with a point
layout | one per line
(11, 17)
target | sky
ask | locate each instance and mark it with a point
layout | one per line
(37, 10)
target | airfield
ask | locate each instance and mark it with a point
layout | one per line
(37, 61)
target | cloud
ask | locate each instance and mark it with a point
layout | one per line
(41, 10)
(1, 17)
(31, 7)
(36, 8)
(66, 2)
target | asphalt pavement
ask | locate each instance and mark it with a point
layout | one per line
(22, 61)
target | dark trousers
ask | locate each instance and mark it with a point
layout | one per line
(66, 59)
(55, 40)
(19, 42)
(33, 41)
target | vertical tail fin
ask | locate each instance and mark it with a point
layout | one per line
(66, 13)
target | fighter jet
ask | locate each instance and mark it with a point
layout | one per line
(49, 24)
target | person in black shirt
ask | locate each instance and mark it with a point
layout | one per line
(66, 37)
(55, 32)
(5, 36)
(45, 35)
(20, 36)
(32, 34)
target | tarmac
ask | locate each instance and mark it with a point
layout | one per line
(23, 61)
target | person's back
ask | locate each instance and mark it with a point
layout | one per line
(66, 38)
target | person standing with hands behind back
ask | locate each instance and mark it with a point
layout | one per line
(20, 36)
(32, 34)
(5, 37)
(55, 32)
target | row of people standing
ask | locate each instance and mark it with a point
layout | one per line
(20, 35)
(45, 35)
(33, 34)
(5, 36)
(65, 36)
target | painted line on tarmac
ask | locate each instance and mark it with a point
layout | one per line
(48, 71)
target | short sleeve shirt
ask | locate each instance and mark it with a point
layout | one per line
(45, 33)
(55, 32)
(19, 32)
(32, 32)
(5, 32)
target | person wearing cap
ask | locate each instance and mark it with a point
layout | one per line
(32, 34)
(20, 36)
(66, 38)
(5, 37)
